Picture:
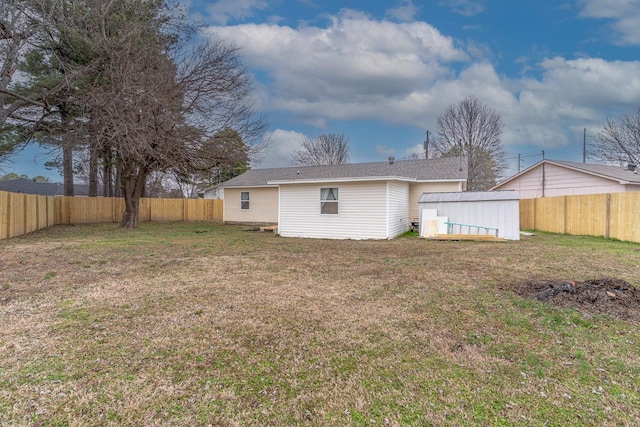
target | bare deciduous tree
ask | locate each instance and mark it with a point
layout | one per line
(472, 129)
(151, 97)
(618, 141)
(161, 102)
(330, 149)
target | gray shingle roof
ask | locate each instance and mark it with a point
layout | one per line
(615, 172)
(27, 186)
(444, 168)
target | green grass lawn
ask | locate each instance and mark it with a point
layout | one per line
(204, 324)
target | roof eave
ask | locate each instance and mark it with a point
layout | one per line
(350, 179)
(269, 185)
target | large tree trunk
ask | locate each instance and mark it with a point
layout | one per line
(132, 185)
(93, 169)
(67, 152)
(117, 186)
(107, 172)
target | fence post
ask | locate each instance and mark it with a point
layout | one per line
(7, 214)
(564, 219)
(535, 226)
(607, 225)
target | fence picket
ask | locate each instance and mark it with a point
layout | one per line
(614, 215)
(24, 213)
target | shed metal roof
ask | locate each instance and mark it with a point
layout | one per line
(471, 196)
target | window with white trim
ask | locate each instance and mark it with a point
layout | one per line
(244, 200)
(329, 201)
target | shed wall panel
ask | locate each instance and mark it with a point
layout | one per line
(502, 214)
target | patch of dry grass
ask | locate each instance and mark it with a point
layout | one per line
(200, 324)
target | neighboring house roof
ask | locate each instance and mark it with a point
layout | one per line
(614, 173)
(28, 186)
(441, 169)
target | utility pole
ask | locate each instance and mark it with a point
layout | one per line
(426, 145)
(543, 175)
(519, 162)
(584, 146)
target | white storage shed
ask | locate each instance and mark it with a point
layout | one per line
(489, 212)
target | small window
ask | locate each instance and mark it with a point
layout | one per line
(244, 200)
(329, 201)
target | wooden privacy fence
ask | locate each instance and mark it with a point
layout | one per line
(23, 213)
(610, 215)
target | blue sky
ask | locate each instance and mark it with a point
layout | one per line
(382, 72)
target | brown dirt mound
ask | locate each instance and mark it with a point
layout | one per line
(611, 296)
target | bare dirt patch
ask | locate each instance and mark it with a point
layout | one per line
(611, 296)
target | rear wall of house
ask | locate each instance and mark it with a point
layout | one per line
(361, 211)
(263, 206)
(416, 190)
(398, 208)
(559, 181)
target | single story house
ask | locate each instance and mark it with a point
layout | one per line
(348, 201)
(28, 186)
(550, 178)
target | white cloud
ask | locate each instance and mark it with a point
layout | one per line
(404, 12)
(282, 143)
(624, 16)
(416, 150)
(222, 11)
(358, 68)
(351, 69)
(384, 151)
(463, 7)
(592, 81)
(571, 94)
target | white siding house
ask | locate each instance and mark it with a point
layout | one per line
(398, 209)
(550, 178)
(301, 216)
(416, 191)
(251, 205)
(349, 201)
